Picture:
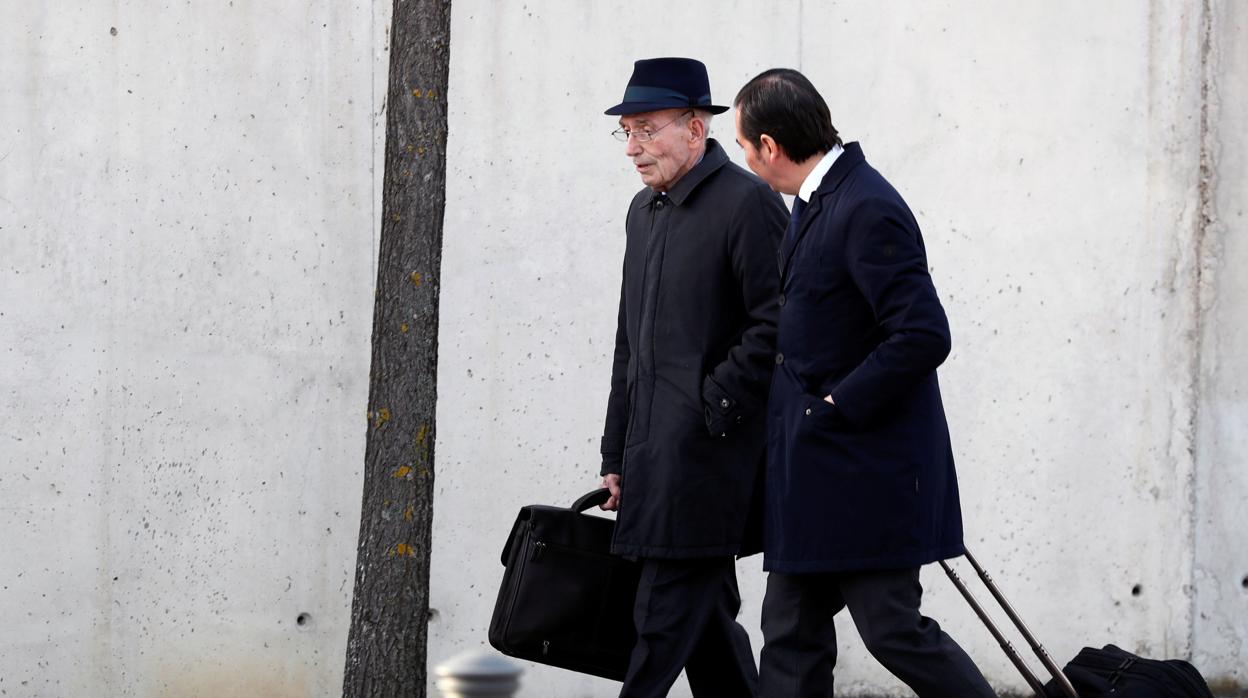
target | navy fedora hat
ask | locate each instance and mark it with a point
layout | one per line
(666, 83)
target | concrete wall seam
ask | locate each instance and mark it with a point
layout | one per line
(1205, 293)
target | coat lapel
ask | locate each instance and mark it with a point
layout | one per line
(822, 198)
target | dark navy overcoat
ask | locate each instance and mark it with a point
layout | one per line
(868, 483)
(686, 425)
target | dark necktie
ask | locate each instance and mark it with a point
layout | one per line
(798, 207)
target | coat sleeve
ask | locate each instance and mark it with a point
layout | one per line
(736, 389)
(613, 432)
(888, 264)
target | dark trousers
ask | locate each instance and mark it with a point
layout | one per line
(686, 618)
(799, 638)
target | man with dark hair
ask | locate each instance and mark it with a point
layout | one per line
(860, 489)
(682, 450)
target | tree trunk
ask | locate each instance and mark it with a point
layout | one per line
(386, 647)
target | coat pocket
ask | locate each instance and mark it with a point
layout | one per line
(722, 410)
(819, 412)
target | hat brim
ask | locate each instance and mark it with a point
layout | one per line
(627, 108)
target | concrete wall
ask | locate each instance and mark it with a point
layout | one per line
(186, 267)
(187, 247)
(1220, 622)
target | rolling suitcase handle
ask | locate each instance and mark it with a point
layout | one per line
(1036, 685)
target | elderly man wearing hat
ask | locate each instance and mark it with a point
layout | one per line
(683, 446)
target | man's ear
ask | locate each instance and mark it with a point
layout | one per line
(768, 148)
(697, 129)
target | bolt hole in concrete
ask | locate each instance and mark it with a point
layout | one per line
(1244, 582)
(1136, 590)
(304, 620)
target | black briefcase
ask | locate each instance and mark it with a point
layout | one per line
(565, 600)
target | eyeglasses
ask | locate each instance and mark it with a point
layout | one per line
(622, 134)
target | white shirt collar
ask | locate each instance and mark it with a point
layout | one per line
(816, 175)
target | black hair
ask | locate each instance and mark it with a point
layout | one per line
(783, 104)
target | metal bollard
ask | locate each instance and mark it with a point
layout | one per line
(478, 674)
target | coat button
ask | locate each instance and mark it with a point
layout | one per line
(782, 300)
(723, 403)
(779, 359)
(807, 411)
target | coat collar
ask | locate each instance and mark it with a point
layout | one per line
(712, 160)
(851, 158)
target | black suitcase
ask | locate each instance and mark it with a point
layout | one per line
(1111, 671)
(1108, 671)
(565, 600)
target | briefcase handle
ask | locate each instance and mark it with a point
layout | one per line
(586, 501)
(591, 499)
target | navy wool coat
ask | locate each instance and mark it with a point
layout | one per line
(685, 425)
(867, 484)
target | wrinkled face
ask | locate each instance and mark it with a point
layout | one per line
(754, 158)
(671, 151)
